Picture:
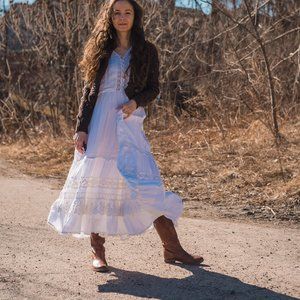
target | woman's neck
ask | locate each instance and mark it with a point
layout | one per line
(123, 40)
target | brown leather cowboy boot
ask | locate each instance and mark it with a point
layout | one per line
(173, 251)
(99, 263)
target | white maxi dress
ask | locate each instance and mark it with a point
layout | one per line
(114, 188)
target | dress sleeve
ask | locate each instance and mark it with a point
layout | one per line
(85, 110)
(151, 90)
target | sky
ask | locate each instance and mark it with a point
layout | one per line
(188, 3)
(185, 3)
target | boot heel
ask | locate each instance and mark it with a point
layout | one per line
(99, 263)
(173, 250)
(170, 261)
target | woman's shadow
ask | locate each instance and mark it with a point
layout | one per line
(201, 284)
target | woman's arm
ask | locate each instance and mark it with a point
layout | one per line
(151, 90)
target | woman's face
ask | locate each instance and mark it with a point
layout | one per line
(122, 16)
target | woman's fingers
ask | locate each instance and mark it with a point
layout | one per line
(79, 140)
(129, 108)
(127, 115)
(79, 146)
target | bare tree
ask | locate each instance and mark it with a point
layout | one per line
(242, 58)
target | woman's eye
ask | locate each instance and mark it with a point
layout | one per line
(118, 13)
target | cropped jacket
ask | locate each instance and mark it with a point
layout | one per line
(143, 95)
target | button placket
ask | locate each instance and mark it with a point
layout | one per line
(121, 78)
(119, 74)
(123, 71)
(126, 76)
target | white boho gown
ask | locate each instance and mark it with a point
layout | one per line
(114, 187)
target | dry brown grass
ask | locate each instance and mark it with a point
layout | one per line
(240, 170)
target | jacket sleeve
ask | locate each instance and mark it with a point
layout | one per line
(151, 90)
(85, 110)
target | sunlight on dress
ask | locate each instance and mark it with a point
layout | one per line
(115, 187)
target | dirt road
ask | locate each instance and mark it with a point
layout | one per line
(242, 261)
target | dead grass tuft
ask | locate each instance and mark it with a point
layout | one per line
(239, 170)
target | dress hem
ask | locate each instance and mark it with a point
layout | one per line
(76, 234)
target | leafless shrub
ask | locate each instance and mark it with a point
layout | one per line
(238, 60)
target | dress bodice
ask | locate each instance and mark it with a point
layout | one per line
(115, 77)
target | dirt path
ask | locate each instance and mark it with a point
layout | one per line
(242, 261)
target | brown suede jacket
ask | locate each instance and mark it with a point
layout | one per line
(143, 95)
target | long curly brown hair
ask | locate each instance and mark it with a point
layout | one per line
(103, 40)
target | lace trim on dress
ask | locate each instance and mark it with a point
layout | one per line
(105, 182)
(110, 203)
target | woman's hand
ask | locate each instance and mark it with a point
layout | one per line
(128, 108)
(80, 138)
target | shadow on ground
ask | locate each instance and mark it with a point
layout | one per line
(200, 285)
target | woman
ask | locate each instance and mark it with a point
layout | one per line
(114, 186)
